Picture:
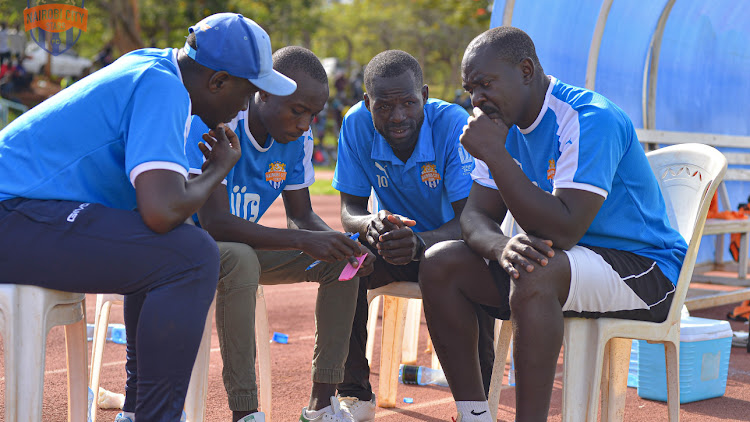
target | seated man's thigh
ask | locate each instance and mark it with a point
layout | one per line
(616, 284)
(453, 263)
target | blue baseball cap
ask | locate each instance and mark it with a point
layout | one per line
(239, 46)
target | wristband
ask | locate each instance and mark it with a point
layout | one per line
(420, 248)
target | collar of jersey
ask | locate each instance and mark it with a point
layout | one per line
(423, 152)
(269, 141)
(545, 106)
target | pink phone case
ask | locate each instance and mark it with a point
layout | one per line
(350, 271)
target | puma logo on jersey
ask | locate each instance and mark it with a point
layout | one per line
(382, 180)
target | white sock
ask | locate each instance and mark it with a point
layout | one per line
(130, 415)
(474, 411)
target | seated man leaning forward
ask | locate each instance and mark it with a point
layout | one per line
(94, 194)
(278, 143)
(567, 164)
(406, 147)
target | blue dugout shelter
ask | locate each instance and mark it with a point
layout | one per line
(672, 65)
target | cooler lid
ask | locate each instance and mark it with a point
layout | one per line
(701, 329)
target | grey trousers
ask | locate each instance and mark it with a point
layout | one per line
(242, 269)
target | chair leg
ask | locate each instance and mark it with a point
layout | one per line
(76, 350)
(195, 399)
(372, 322)
(672, 356)
(101, 321)
(394, 318)
(615, 379)
(264, 352)
(411, 332)
(498, 368)
(29, 368)
(583, 371)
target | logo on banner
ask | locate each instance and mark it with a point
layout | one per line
(276, 174)
(55, 27)
(430, 176)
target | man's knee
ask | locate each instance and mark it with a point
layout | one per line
(240, 267)
(441, 261)
(541, 284)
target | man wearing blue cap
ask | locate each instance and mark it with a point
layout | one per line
(94, 194)
(274, 133)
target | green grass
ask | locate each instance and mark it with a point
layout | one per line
(322, 187)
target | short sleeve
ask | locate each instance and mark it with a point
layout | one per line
(355, 145)
(591, 148)
(156, 129)
(458, 163)
(481, 174)
(193, 153)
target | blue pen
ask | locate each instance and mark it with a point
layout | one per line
(355, 236)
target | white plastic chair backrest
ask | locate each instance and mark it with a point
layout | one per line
(688, 175)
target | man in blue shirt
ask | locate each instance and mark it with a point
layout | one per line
(277, 143)
(567, 164)
(405, 147)
(94, 193)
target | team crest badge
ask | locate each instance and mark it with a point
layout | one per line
(55, 26)
(276, 174)
(551, 170)
(430, 176)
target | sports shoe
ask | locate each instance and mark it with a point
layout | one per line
(332, 413)
(254, 417)
(361, 411)
(121, 418)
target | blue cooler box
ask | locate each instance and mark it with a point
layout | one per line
(705, 345)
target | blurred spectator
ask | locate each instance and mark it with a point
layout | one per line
(13, 78)
(463, 99)
(4, 44)
(17, 40)
(105, 57)
(357, 82)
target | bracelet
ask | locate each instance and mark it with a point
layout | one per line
(420, 248)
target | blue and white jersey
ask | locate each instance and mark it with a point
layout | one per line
(262, 172)
(437, 173)
(581, 140)
(90, 141)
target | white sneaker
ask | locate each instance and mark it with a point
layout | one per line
(332, 413)
(361, 411)
(254, 417)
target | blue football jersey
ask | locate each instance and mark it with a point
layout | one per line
(437, 173)
(90, 141)
(262, 173)
(581, 140)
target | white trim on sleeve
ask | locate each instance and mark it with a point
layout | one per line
(156, 165)
(580, 186)
(309, 171)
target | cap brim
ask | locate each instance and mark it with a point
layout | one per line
(275, 83)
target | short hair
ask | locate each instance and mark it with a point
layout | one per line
(509, 43)
(392, 63)
(288, 59)
(192, 65)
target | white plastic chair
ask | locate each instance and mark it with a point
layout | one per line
(399, 299)
(27, 313)
(688, 175)
(597, 351)
(195, 400)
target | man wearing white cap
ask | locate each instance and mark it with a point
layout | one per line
(94, 194)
